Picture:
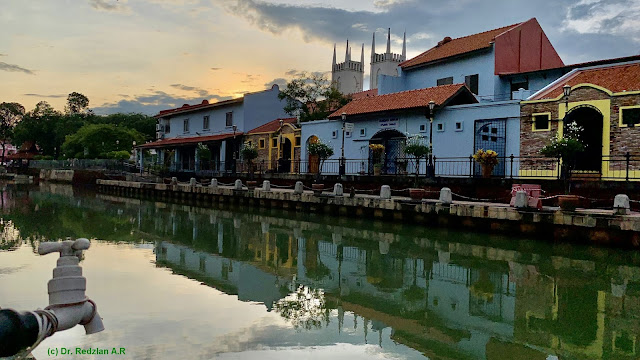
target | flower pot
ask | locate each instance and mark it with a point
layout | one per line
(416, 194)
(317, 188)
(568, 202)
(252, 184)
(487, 170)
(377, 170)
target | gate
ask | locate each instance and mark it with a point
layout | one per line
(491, 135)
(394, 144)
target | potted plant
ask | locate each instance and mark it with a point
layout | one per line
(418, 149)
(487, 160)
(204, 154)
(377, 151)
(322, 151)
(249, 153)
(566, 149)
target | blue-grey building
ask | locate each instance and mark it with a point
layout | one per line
(496, 68)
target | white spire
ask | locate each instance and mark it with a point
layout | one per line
(404, 46)
(373, 47)
(334, 56)
(362, 59)
(389, 42)
(346, 53)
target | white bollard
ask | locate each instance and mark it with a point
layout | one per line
(214, 183)
(174, 181)
(621, 204)
(446, 196)
(193, 182)
(522, 200)
(385, 192)
(383, 247)
(238, 185)
(299, 188)
(266, 185)
(337, 190)
(336, 238)
(264, 226)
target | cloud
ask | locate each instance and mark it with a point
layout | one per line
(14, 68)
(3, 54)
(46, 96)
(110, 5)
(151, 103)
(199, 91)
(613, 17)
(215, 68)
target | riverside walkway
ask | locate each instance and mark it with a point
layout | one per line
(588, 226)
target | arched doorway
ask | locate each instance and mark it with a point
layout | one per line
(284, 163)
(312, 160)
(394, 142)
(590, 120)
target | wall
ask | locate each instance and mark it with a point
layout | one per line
(262, 107)
(387, 67)
(217, 121)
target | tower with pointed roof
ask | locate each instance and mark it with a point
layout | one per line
(347, 76)
(387, 62)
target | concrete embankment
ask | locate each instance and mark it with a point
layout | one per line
(587, 226)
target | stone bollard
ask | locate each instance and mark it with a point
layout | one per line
(385, 192)
(193, 182)
(238, 185)
(522, 200)
(266, 185)
(214, 183)
(337, 190)
(383, 247)
(174, 181)
(621, 204)
(299, 188)
(445, 196)
(264, 226)
(336, 238)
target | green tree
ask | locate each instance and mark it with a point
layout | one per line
(142, 123)
(10, 115)
(38, 126)
(100, 141)
(322, 150)
(77, 103)
(311, 96)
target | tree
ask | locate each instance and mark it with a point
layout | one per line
(311, 96)
(100, 141)
(77, 103)
(322, 151)
(38, 126)
(417, 148)
(10, 115)
(142, 123)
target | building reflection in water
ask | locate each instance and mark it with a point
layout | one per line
(445, 294)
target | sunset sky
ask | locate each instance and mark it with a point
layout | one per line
(148, 55)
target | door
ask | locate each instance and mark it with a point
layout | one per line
(491, 134)
(313, 160)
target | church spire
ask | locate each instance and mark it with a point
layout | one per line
(389, 42)
(334, 56)
(362, 58)
(373, 47)
(404, 46)
(346, 53)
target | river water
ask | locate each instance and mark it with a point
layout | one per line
(173, 281)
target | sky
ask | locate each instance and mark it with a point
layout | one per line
(149, 55)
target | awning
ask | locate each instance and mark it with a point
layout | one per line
(171, 142)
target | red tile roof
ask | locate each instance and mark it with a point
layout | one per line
(364, 94)
(204, 104)
(271, 126)
(188, 140)
(451, 47)
(401, 100)
(616, 78)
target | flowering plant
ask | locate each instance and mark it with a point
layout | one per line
(566, 147)
(488, 158)
(378, 150)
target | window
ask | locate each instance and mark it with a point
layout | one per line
(629, 116)
(274, 142)
(472, 83)
(363, 132)
(229, 119)
(347, 134)
(445, 81)
(185, 125)
(541, 122)
(261, 143)
(167, 127)
(458, 125)
(334, 134)
(515, 86)
(205, 123)
(297, 141)
(423, 127)
(440, 126)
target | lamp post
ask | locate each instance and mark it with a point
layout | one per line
(566, 90)
(235, 151)
(343, 164)
(430, 165)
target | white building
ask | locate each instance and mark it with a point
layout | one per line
(387, 62)
(348, 76)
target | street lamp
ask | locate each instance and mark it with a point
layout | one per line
(430, 165)
(566, 90)
(343, 164)
(235, 150)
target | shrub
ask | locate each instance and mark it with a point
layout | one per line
(118, 155)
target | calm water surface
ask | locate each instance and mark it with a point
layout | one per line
(179, 282)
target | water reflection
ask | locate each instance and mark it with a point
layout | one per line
(446, 294)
